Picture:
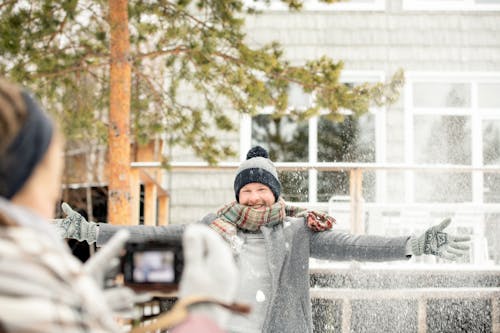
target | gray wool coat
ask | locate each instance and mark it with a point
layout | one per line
(289, 247)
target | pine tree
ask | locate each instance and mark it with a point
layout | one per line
(61, 50)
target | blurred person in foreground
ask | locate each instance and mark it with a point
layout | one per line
(43, 287)
(272, 242)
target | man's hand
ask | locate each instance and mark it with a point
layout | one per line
(436, 242)
(75, 226)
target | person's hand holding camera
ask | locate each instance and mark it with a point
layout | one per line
(120, 299)
(209, 271)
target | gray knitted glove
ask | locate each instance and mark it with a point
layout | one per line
(436, 242)
(75, 226)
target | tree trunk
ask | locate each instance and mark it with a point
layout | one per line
(119, 206)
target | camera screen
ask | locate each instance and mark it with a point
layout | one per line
(154, 266)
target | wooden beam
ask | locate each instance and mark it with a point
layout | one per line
(150, 195)
(163, 203)
(356, 193)
(135, 192)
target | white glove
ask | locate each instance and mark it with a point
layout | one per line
(209, 271)
(107, 258)
(122, 301)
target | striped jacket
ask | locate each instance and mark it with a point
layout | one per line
(43, 287)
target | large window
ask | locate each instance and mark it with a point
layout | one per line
(453, 120)
(319, 139)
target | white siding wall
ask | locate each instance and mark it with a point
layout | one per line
(444, 41)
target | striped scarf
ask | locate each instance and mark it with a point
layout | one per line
(233, 216)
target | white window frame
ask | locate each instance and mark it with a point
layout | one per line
(477, 115)
(380, 134)
(458, 5)
(316, 5)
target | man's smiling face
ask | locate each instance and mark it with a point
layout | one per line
(257, 196)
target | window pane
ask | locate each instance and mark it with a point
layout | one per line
(441, 94)
(332, 183)
(294, 185)
(492, 235)
(336, 183)
(443, 187)
(442, 140)
(488, 95)
(491, 142)
(285, 139)
(352, 140)
(491, 187)
(491, 155)
(395, 190)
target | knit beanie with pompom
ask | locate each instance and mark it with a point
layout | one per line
(257, 168)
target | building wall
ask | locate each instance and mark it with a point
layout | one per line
(386, 40)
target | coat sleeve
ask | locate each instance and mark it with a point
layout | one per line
(147, 233)
(342, 246)
(141, 233)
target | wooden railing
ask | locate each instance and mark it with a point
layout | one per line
(356, 171)
(421, 295)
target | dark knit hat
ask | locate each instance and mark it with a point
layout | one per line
(257, 168)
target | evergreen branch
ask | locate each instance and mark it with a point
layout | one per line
(177, 50)
(7, 3)
(157, 94)
(58, 31)
(68, 70)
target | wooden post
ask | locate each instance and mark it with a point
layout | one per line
(163, 202)
(495, 314)
(422, 315)
(150, 195)
(356, 193)
(346, 315)
(156, 198)
(149, 178)
(135, 184)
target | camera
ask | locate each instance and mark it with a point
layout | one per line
(153, 266)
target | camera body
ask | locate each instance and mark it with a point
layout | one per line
(153, 265)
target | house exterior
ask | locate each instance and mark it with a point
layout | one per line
(433, 153)
(396, 170)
